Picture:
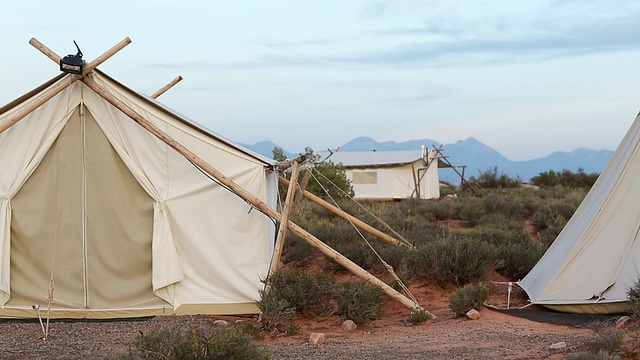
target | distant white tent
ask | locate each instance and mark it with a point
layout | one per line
(106, 220)
(390, 175)
(596, 258)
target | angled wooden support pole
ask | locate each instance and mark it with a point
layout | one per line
(166, 87)
(45, 50)
(247, 196)
(357, 222)
(303, 187)
(39, 101)
(107, 54)
(286, 211)
(90, 66)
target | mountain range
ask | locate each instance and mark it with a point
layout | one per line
(476, 156)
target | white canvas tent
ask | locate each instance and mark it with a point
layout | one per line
(596, 258)
(108, 221)
(390, 175)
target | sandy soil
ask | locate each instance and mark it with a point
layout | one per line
(494, 336)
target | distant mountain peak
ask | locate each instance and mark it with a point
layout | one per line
(477, 156)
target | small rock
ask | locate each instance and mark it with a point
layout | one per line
(349, 325)
(220, 323)
(316, 338)
(473, 314)
(557, 346)
(623, 322)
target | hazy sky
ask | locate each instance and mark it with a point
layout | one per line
(525, 77)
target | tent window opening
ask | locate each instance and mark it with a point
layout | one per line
(365, 177)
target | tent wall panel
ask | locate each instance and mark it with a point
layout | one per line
(136, 229)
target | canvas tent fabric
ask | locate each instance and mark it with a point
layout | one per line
(595, 260)
(389, 175)
(115, 223)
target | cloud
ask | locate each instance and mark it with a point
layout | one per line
(474, 34)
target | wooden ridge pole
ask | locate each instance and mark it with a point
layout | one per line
(45, 50)
(286, 211)
(166, 87)
(357, 222)
(107, 54)
(257, 203)
(36, 103)
(90, 66)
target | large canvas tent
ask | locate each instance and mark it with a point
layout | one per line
(391, 175)
(105, 220)
(595, 260)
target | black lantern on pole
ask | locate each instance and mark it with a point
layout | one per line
(72, 64)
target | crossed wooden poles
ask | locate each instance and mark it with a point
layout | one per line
(283, 219)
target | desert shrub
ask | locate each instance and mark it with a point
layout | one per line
(298, 251)
(501, 203)
(500, 221)
(169, 343)
(356, 251)
(274, 310)
(554, 213)
(549, 235)
(424, 232)
(515, 253)
(457, 259)
(606, 338)
(491, 179)
(633, 294)
(303, 291)
(515, 260)
(468, 297)
(419, 316)
(600, 355)
(359, 301)
(565, 178)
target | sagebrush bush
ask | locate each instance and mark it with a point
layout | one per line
(600, 355)
(491, 179)
(633, 294)
(459, 260)
(274, 309)
(298, 252)
(468, 297)
(606, 338)
(304, 291)
(173, 343)
(420, 316)
(359, 301)
(515, 260)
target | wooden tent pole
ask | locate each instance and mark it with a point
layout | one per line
(107, 54)
(303, 187)
(444, 159)
(90, 66)
(282, 230)
(259, 204)
(36, 103)
(45, 50)
(357, 222)
(166, 87)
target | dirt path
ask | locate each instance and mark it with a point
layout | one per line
(494, 336)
